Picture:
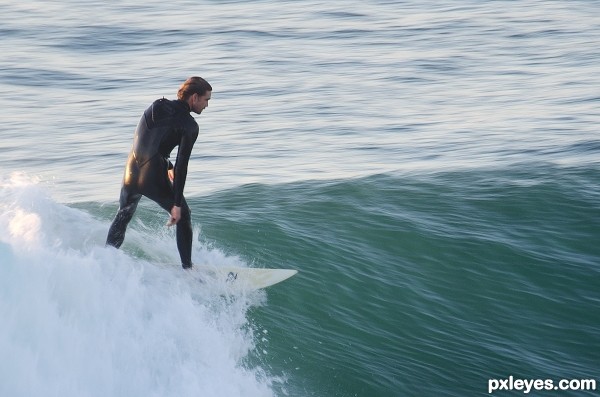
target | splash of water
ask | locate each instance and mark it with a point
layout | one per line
(80, 319)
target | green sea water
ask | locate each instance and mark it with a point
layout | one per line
(421, 285)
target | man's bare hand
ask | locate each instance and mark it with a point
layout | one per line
(175, 216)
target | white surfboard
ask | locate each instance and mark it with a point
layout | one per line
(243, 277)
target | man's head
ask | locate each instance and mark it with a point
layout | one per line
(196, 92)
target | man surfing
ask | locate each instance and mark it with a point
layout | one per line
(148, 172)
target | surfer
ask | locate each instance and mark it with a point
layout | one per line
(148, 172)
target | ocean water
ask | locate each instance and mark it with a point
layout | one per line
(431, 169)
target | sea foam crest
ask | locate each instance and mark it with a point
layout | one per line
(80, 319)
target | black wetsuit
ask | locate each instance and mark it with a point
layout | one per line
(164, 125)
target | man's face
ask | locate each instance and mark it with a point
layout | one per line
(200, 102)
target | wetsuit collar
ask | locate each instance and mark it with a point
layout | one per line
(184, 104)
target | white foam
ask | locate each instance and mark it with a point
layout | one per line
(79, 319)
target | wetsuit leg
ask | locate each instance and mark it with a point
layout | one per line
(151, 180)
(127, 205)
(184, 231)
(185, 235)
(154, 184)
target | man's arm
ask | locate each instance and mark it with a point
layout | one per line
(179, 172)
(181, 164)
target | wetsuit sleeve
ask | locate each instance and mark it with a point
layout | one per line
(181, 164)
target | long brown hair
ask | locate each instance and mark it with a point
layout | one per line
(193, 85)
